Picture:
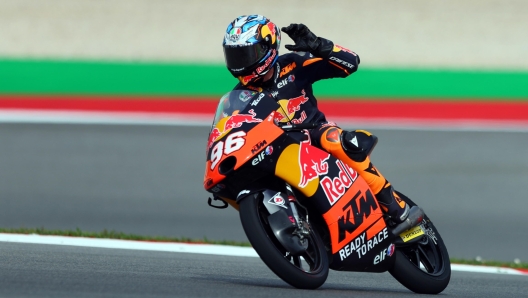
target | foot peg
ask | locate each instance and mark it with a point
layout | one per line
(416, 216)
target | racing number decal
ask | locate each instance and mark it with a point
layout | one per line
(233, 143)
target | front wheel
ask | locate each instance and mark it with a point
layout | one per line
(306, 270)
(424, 266)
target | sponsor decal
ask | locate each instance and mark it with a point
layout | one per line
(246, 79)
(389, 251)
(246, 95)
(234, 35)
(354, 216)
(335, 188)
(286, 69)
(361, 245)
(261, 155)
(284, 82)
(342, 62)
(289, 107)
(274, 93)
(230, 122)
(412, 233)
(332, 135)
(269, 30)
(312, 162)
(264, 67)
(338, 48)
(278, 200)
(300, 119)
(256, 101)
(258, 146)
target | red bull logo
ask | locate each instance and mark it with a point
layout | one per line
(289, 107)
(230, 122)
(271, 28)
(267, 63)
(338, 48)
(312, 162)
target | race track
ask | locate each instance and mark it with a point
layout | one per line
(30, 270)
(148, 180)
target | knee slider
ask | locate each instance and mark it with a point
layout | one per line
(358, 144)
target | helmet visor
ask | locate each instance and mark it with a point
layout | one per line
(239, 58)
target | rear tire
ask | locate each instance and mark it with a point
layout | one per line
(308, 272)
(423, 267)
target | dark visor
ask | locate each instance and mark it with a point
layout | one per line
(238, 58)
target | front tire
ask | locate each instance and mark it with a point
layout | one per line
(308, 270)
(423, 267)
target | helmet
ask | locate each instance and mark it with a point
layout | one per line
(251, 47)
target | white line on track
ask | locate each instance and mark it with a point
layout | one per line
(186, 119)
(210, 249)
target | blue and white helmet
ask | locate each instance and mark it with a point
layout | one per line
(251, 47)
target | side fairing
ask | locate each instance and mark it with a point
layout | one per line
(359, 236)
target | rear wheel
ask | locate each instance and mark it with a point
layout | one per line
(423, 267)
(306, 270)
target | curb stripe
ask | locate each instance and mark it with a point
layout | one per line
(210, 249)
(402, 109)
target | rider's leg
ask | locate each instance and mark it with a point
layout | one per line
(354, 149)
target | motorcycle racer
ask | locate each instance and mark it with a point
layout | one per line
(251, 44)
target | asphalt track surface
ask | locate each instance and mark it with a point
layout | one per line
(148, 180)
(30, 270)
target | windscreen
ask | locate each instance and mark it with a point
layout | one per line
(232, 102)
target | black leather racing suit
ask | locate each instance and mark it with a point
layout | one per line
(293, 78)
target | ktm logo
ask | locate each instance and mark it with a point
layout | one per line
(287, 69)
(355, 212)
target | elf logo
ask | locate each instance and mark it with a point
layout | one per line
(260, 157)
(389, 251)
(285, 82)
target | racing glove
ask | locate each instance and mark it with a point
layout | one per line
(306, 41)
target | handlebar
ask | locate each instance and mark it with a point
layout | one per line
(300, 126)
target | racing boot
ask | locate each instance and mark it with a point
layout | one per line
(392, 204)
(399, 212)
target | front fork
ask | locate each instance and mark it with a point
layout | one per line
(287, 225)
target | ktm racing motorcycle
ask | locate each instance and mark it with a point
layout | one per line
(304, 211)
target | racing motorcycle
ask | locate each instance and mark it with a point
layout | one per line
(305, 211)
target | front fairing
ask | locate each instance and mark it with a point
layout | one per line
(244, 125)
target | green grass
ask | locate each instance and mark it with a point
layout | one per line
(119, 235)
(121, 78)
